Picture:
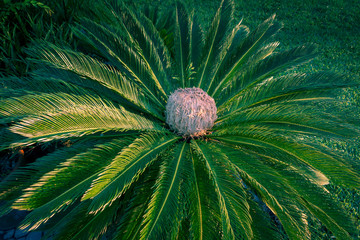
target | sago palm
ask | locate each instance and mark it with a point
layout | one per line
(177, 134)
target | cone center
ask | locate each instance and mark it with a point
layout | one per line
(190, 112)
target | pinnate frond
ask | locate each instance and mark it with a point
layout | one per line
(22, 178)
(61, 187)
(261, 177)
(129, 60)
(333, 166)
(259, 71)
(232, 41)
(205, 218)
(291, 119)
(182, 43)
(245, 50)
(53, 116)
(214, 41)
(289, 88)
(135, 205)
(235, 216)
(93, 71)
(123, 170)
(165, 199)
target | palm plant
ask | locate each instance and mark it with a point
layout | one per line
(257, 172)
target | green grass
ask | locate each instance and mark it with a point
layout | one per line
(333, 25)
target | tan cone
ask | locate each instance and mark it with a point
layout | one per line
(190, 112)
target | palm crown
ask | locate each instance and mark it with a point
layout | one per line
(260, 170)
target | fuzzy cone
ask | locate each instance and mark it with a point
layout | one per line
(190, 112)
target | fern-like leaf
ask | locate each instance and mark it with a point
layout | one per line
(165, 197)
(125, 169)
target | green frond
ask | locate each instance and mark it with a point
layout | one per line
(129, 60)
(197, 219)
(17, 87)
(235, 215)
(214, 40)
(270, 188)
(182, 43)
(315, 198)
(188, 45)
(291, 119)
(245, 50)
(259, 173)
(143, 33)
(11, 188)
(54, 116)
(131, 216)
(259, 71)
(93, 70)
(334, 167)
(183, 229)
(124, 169)
(205, 219)
(196, 43)
(78, 224)
(263, 227)
(159, 217)
(128, 209)
(231, 42)
(48, 80)
(288, 88)
(264, 52)
(230, 54)
(61, 187)
(157, 50)
(12, 87)
(261, 149)
(164, 23)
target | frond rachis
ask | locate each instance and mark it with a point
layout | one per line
(190, 112)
